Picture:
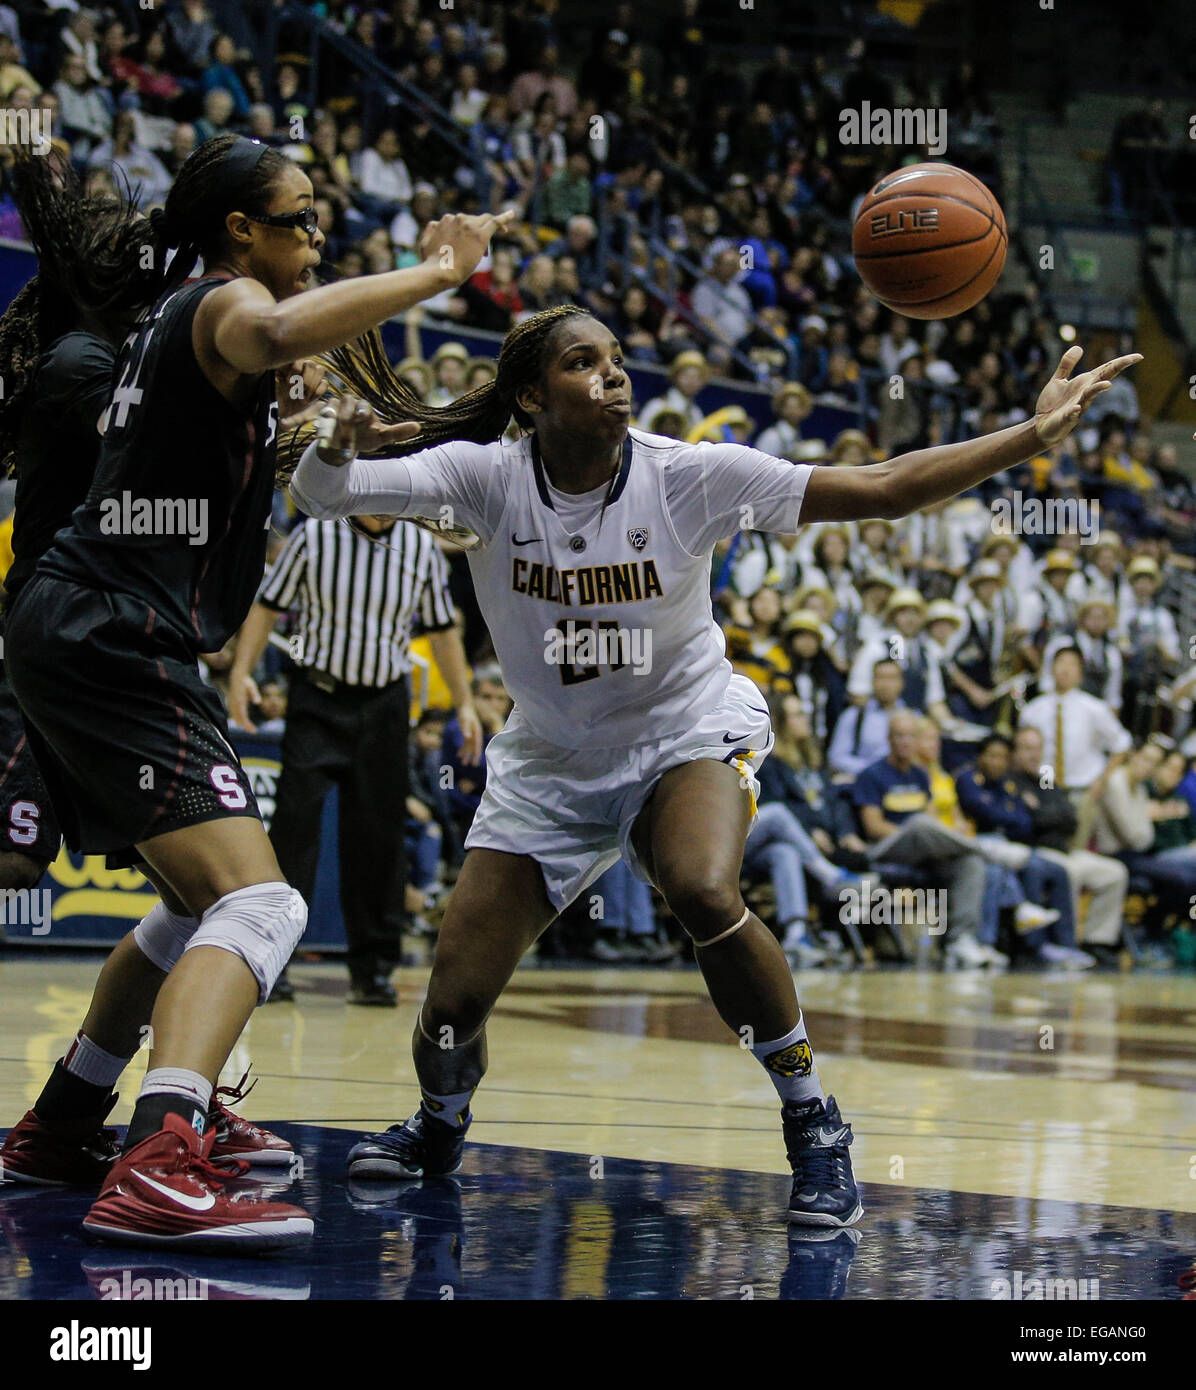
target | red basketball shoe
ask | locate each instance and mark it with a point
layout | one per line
(236, 1138)
(71, 1153)
(165, 1192)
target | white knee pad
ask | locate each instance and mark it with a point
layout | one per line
(162, 935)
(262, 925)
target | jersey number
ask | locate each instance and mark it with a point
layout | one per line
(587, 638)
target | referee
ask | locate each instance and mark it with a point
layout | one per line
(359, 590)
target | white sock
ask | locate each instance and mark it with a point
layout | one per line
(789, 1063)
(92, 1064)
(177, 1081)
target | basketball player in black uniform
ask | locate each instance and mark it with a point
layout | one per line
(58, 342)
(162, 562)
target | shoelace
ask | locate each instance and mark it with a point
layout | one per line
(236, 1094)
(216, 1175)
(820, 1166)
(406, 1138)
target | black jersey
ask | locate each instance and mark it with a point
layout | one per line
(57, 445)
(178, 512)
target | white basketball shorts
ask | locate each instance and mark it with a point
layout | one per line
(573, 810)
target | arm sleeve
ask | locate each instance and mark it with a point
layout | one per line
(714, 490)
(453, 485)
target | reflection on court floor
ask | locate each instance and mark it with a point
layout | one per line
(628, 1149)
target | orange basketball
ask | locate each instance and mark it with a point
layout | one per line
(929, 241)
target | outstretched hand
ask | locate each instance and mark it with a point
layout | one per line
(350, 427)
(1064, 398)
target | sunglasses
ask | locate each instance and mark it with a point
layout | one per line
(306, 218)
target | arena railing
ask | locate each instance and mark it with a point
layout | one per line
(382, 88)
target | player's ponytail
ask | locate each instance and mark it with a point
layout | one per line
(228, 173)
(363, 369)
(95, 266)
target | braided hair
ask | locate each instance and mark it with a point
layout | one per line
(95, 258)
(101, 257)
(479, 417)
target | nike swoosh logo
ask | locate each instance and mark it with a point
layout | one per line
(204, 1203)
(828, 1141)
(531, 540)
(734, 738)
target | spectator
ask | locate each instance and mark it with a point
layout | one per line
(467, 100)
(85, 109)
(536, 285)
(79, 38)
(221, 73)
(145, 74)
(383, 176)
(580, 245)
(492, 295)
(1079, 733)
(905, 644)
(627, 929)
(467, 781)
(146, 174)
(993, 802)
(191, 34)
(449, 364)
(791, 404)
(688, 373)
(862, 734)
(1126, 817)
(1102, 657)
(816, 681)
(721, 305)
(544, 78)
(568, 192)
(14, 76)
(217, 113)
(1053, 826)
(427, 810)
(891, 796)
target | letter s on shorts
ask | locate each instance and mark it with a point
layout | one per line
(230, 791)
(23, 817)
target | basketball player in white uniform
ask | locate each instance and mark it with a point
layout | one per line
(630, 733)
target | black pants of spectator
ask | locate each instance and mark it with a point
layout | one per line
(356, 740)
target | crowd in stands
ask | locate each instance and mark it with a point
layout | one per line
(991, 698)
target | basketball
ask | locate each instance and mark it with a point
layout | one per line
(929, 241)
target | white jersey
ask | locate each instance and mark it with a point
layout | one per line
(601, 617)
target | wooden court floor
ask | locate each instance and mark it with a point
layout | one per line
(1036, 1086)
(1049, 1112)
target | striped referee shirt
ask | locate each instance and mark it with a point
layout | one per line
(359, 599)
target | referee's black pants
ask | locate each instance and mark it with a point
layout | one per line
(355, 739)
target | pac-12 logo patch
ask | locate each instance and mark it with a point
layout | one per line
(638, 536)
